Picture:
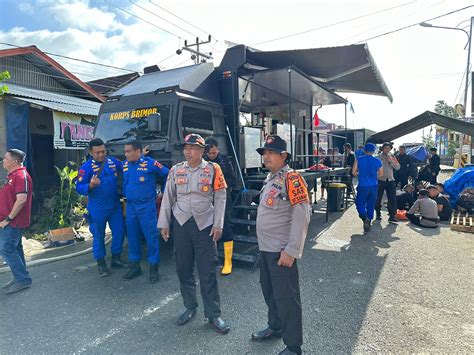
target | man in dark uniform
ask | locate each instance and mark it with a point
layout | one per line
(434, 165)
(405, 161)
(349, 160)
(194, 207)
(282, 223)
(97, 179)
(213, 155)
(139, 187)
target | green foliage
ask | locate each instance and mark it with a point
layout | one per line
(67, 199)
(452, 148)
(4, 76)
(443, 108)
(428, 140)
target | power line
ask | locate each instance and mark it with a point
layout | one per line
(331, 25)
(146, 21)
(180, 18)
(76, 59)
(162, 18)
(414, 24)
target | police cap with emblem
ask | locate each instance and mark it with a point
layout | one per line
(276, 144)
(193, 139)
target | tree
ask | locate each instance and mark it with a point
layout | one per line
(443, 108)
(3, 77)
(428, 140)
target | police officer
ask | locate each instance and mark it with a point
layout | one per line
(282, 223)
(97, 179)
(195, 196)
(139, 187)
(434, 165)
(405, 161)
(214, 155)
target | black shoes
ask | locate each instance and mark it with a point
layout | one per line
(133, 271)
(266, 333)
(219, 324)
(392, 219)
(290, 351)
(102, 268)
(154, 275)
(117, 263)
(187, 315)
(366, 225)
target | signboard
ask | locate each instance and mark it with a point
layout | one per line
(72, 131)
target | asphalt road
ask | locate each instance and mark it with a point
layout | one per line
(395, 289)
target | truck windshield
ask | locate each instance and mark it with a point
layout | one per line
(123, 125)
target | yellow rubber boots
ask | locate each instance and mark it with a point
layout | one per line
(228, 249)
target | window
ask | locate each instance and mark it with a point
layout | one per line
(196, 120)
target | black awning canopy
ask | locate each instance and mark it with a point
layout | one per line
(272, 88)
(425, 119)
(345, 69)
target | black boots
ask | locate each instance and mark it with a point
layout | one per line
(117, 263)
(134, 270)
(154, 275)
(102, 268)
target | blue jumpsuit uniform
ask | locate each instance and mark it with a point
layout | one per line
(139, 187)
(103, 204)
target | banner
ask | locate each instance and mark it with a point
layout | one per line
(72, 131)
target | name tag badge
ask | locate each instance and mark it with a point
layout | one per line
(205, 180)
(181, 180)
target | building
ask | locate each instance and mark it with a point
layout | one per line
(48, 112)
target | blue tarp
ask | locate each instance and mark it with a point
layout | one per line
(419, 153)
(462, 178)
(17, 122)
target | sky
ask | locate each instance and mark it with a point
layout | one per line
(419, 65)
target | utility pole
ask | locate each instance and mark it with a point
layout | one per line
(196, 54)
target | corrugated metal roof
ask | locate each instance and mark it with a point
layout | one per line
(186, 78)
(55, 101)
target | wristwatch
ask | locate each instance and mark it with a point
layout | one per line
(8, 219)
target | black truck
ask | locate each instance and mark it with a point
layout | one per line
(250, 95)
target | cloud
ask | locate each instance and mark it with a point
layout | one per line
(79, 15)
(25, 8)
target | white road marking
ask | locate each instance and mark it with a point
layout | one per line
(114, 331)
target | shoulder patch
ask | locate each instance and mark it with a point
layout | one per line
(296, 187)
(157, 164)
(81, 172)
(219, 180)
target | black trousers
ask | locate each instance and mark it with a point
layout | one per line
(227, 233)
(281, 290)
(416, 220)
(390, 188)
(434, 179)
(402, 179)
(194, 246)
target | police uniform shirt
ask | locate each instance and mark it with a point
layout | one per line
(139, 180)
(103, 196)
(194, 192)
(427, 208)
(283, 213)
(388, 166)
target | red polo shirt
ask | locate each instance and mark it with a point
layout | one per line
(18, 181)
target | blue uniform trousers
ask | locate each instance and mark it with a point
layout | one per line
(365, 201)
(142, 220)
(98, 221)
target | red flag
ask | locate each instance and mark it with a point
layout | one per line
(316, 119)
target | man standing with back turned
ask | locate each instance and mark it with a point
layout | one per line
(282, 223)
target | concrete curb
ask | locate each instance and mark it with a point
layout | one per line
(53, 259)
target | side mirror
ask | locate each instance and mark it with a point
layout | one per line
(154, 122)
